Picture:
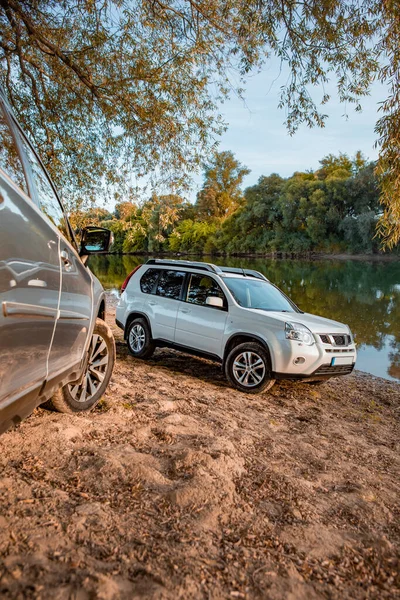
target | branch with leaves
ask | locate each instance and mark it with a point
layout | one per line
(112, 90)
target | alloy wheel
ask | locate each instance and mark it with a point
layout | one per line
(137, 338)
(95, 371)
(249, 369)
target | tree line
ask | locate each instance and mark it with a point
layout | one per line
(330, 210)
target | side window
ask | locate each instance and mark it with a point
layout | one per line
(10, 161)
(149, 280)
(47, 199)
(201, 287)
(170, 284)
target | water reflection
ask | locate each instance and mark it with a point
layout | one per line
(364, 295)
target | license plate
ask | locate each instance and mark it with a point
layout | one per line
(341, 360)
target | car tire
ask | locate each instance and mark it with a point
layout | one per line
(139, 340)
(83, 395)
(248, 368)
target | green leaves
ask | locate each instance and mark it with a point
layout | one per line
(109, 90)
(334, 209)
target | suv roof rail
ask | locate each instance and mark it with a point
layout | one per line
(185, 263)
(245, 272)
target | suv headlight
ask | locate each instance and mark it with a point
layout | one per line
(299, 333)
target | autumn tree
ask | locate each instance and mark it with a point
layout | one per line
(339, 167)
(221, 193)
(107, 88)
(94, 216)
(126, 211)
(160, 213)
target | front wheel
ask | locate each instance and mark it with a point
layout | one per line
(84, 394)
(248, 368)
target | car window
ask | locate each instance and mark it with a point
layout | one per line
(47, 198)
(253, 293)
(149, 280)
(10, 161)
(201, 287)
(170, 284)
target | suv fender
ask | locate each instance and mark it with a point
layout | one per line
(239, 338)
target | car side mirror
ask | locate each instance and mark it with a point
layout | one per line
(95, 240)
(215, 301)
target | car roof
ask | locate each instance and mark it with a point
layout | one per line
(219, 270)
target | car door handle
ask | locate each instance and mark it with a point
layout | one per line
(66, 260)
(152, 303)
(185, 310)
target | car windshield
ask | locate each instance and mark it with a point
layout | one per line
(255, 293)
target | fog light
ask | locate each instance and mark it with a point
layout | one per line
(300, 360)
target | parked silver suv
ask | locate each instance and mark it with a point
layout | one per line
(54, 344)
(235, 316)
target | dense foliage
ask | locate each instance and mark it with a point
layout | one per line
(108, 89)
(334, 209)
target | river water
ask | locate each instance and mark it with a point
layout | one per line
(365, 295)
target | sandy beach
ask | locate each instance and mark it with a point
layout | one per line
(177, 486)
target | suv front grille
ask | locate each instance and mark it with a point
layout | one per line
(340, 350)
(334, 370)
(336, 339)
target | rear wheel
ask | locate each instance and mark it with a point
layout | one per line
(85, 393)
(248, 368)
(139, 339)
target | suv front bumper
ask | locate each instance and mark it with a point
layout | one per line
(325, 371)
(298, 361)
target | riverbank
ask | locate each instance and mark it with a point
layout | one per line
(178, 486)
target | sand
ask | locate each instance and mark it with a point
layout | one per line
(177, 486)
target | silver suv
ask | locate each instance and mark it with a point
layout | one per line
(235, 316)
(54, 344)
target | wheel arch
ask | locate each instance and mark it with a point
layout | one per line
(240, 338)
(136, 315)
(101, 313)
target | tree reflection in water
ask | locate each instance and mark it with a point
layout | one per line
(365, 295)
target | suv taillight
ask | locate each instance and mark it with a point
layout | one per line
(123, 286)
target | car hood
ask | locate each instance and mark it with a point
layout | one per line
(315, 323)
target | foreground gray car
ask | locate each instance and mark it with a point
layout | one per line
(54, 344)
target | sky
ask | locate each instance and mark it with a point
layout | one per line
(259, 139)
